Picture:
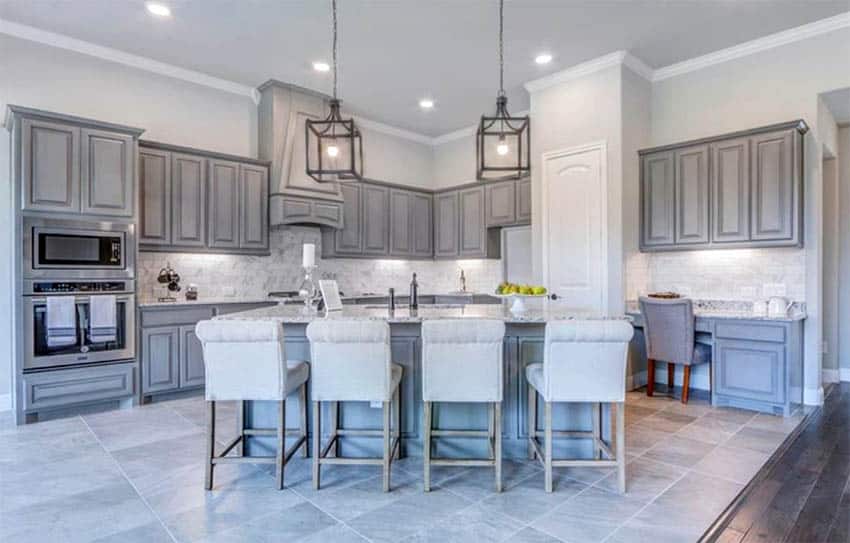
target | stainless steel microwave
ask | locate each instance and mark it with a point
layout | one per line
(59, 248)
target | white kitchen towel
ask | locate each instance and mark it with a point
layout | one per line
(102, 321)
(61, 321)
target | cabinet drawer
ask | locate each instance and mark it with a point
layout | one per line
(173, 315)
(750, 370)
(754, 332)
(65, 387)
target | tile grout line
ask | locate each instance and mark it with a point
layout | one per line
(130, 482)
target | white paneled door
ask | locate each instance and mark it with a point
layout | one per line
(575, 228)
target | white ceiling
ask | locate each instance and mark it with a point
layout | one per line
(392, 53)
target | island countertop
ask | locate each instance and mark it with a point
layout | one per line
(292, 314)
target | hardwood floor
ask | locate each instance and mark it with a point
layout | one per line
(805, 495)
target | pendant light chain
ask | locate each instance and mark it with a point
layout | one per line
(501, 47)
(334, 46)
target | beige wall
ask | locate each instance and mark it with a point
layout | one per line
(454, 162)
(844, 252)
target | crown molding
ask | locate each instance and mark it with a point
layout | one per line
(114, 55)
(579, 70)
(467, 131)
(757, 45)
(393, 131)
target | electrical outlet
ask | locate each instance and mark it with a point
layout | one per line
(773, 289)
(376, 405)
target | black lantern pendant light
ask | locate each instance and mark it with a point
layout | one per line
(334, 145)
(503, 143)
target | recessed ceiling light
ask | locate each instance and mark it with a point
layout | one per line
(321, 66)
(426, 103)
(160, 10)
(543, 58)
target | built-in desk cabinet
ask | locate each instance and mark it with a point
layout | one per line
(202, 202)
(170, 353)
(74, 165)
(740, 190)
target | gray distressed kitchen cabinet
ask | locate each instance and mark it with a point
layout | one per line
(508, 203)
(460, 228)
(446, 225)
(193, 200)
(411, 233)
(73, 165)
(376, 213)
(737, 190)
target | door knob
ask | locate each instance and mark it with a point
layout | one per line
(553, 296)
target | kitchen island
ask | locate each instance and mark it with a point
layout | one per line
(523, 345)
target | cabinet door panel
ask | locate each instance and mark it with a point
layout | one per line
(349, 239)
(422, 227)
(159, 359)
(223, 211)
(108, 172)
(750, 369)
(401, 242)
(191, 358)
(523, 199)
(376, 208)
(773, 187)
(253, 207)
(657, 195)
(692, 195)
(730, 190)
(473, 231)
(50, 166)
(501, 203)
(188, 205)
(446, 224)
(155, 201)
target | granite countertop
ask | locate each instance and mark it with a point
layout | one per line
(221, 300)
(290, 314)
(726, 309)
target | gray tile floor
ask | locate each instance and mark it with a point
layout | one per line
(137, 475)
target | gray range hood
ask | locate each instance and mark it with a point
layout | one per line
(295, 197)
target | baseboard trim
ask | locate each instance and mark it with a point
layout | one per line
(5, 402)
(844, 374)
(813, 396)
(830, 375)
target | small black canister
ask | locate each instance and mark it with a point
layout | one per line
(414, 293)
(391, 300)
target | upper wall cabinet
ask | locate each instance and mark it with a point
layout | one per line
(73, 165)
(196, 201)
(738, 190)
(508, 203)
(460, 229)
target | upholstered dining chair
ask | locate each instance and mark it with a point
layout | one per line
(584, 361)
(351, 362)
(246, 361)
(668, 326)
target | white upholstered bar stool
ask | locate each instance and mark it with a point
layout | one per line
(462, 362)
(245, 361)
(584, 362)
(351, 361)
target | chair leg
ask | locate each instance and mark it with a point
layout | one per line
(240, 426)
(302, 401)
(334, 427)
(491, 429)
(281, 443)
(548, 445)
(532, 421)
(686, 384)
(595, 421)
(317, 444)
(620, 446)
(497, 438)
(650, 377)
(208, 476)
(671, 373)
(386, 446)
(397, 420)
(426, 445)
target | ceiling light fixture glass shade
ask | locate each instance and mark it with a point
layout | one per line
(334, 145)
(503, 142)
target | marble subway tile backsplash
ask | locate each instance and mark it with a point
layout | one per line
(256, 276)
(733, 274)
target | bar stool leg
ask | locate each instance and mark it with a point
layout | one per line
(317, 443)
(208, 476)
(671, 374)
(281, 443)
(650, 377)
(498, 443)
(335, 427)
(548, 446)
(386, 464)
(397, 420)
(532, 421)
(302, 402)
(491, 429)
(621, 445)
(426, 446)
(686, 384)
(596, 423)
(240, 427)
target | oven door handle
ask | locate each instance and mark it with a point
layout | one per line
(34, 300)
